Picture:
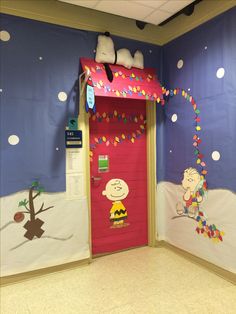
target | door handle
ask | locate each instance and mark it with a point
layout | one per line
(96, 178)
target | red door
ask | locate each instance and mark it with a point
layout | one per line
(118, 174)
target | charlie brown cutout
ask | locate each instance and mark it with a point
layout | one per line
(117, 190)
(195, 187)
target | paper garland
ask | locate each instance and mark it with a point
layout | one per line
(131, 77)
(209, 231)
(121, 137)
(125, 91)
(129, 90)
(166, 95)
(196, 139)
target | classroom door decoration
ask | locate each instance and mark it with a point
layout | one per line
(118, 174)
(143, 84)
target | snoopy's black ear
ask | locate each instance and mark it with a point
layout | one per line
(108, 72)
(107, 34)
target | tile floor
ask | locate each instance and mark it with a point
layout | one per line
(144, 280)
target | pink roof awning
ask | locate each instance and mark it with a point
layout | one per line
(133, 83)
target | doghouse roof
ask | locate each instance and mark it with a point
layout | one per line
(133, 83)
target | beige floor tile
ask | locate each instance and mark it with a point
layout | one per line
(144, 280)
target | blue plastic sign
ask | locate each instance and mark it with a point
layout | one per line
(90, 99)
(73, 139)
(73, 123)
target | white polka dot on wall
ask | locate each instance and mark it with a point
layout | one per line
(13, 139)
(57, 148)
(150, 51)
(189, 89)
(170, 151)
(205, 47)
(180, 63)
(215, 155)
(40, 58)
(4, 36)
(0, 90)
(220, 73)
(174, 117)
(62, 96)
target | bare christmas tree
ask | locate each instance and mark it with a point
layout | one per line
(33, 225)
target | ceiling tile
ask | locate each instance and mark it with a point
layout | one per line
(173, 6)
(151, 3)
(83, 3)
(157, 17)
(150, 11)
(124, 8)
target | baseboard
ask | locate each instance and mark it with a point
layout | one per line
(227, 275)
(119, 251)
(12, 279)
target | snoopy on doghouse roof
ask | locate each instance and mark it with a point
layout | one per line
(106, 54)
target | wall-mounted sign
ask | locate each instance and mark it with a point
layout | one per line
(103, 163)
(73, 138)
(90, 99)
(73, 123)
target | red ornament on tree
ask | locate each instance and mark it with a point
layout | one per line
(19, 216)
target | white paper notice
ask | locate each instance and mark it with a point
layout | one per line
(74, 160)
(74, 186)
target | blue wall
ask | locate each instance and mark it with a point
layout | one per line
(203, 50)
(30, 107)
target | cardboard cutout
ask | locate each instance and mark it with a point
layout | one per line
(117, 190)
(192, 183)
